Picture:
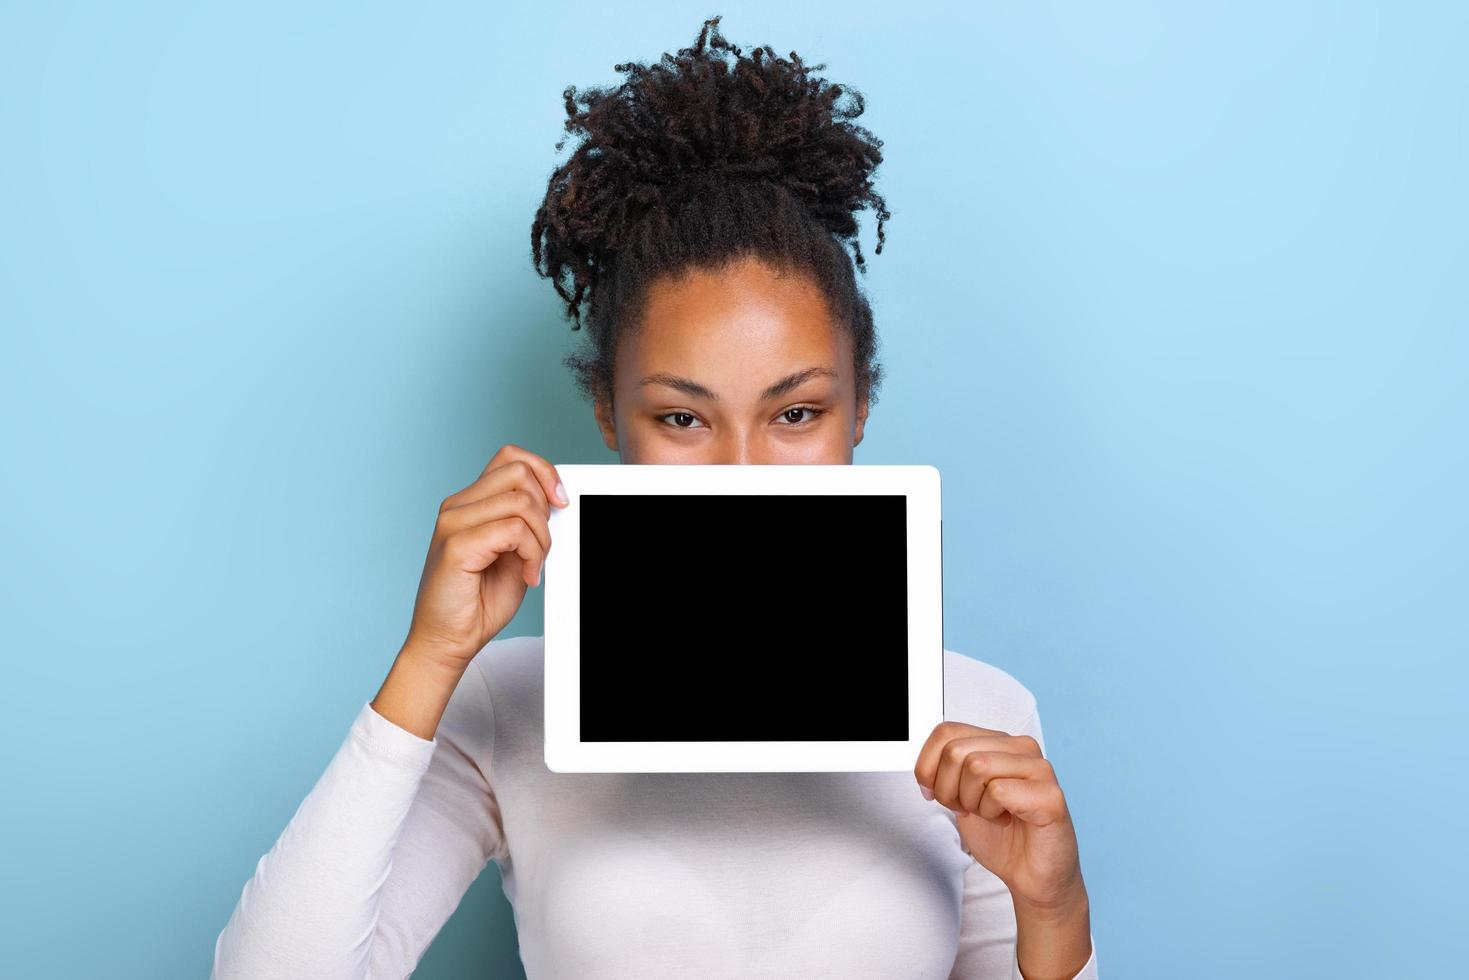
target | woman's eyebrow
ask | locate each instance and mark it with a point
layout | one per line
(691, 387)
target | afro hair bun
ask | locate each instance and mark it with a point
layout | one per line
(708, 115)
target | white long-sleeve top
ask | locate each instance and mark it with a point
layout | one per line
(624, 875)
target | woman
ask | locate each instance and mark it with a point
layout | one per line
(702, 222)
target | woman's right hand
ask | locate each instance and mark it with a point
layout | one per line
(489, 545)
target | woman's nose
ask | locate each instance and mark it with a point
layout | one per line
(736, 451)
(740, 457)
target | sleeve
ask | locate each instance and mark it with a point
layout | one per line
(378, 855)
(987, 930)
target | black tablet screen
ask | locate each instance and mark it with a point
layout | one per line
(734, 617)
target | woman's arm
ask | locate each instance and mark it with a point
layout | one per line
(989, 930)
(381, 851)
(403, 819)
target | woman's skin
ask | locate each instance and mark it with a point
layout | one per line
(740, 365)
(690, 384)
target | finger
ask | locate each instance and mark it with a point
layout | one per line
(980, 768)
(476, 548)
(927, 766)
(506, 476)
(514, 502)
(951, 763)
(1037, 802)
(497, 478)
(930, 756)
(544, 471)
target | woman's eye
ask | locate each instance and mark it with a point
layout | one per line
(680, 417)
(813, 413)
(687, 420)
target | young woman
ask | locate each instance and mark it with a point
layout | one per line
(702, 222)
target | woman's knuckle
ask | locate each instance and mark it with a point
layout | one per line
(444, 524)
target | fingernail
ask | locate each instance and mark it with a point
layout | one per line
(539, 573)
(561, 494)
(927, 793)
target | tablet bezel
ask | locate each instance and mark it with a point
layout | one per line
(565, 752)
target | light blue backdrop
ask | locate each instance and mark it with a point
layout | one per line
(1175, 298)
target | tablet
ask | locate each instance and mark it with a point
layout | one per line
(743, 618)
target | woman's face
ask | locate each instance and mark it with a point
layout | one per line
(742, 365)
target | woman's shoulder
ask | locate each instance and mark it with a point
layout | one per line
(512, 663)
(979, 693)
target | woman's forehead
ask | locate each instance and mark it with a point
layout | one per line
(724, 320)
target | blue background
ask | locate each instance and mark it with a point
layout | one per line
(1174, 296)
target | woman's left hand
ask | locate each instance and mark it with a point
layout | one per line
(1010, 811)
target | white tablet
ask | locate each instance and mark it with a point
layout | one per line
(728, 618)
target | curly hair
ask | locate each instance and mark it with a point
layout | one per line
(701, 158)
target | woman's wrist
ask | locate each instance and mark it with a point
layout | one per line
(1053, 942)
(417, 690)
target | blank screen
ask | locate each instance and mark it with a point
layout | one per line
(732, 617)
